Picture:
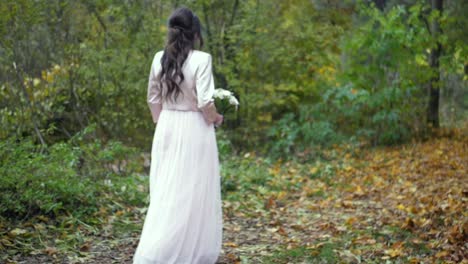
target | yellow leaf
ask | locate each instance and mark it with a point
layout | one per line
(313, 170)
(394, 252)
(119, 213)
(401, 207)
(358, 190)
(281, 195)
(442, 254)
(351, 220)
(230, 244)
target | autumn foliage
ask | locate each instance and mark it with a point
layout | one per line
(402, 203)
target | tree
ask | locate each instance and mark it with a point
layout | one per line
(434, 87)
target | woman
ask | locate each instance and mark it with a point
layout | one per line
(184, 219)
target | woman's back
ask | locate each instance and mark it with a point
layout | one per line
(197, 88)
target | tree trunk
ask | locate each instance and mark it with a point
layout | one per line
(30, 106)
(434, 85)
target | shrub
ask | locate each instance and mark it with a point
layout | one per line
(68, 177)
(305, 130)
(37, 181)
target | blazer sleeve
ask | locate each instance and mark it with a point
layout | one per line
(154, 89)
(205, 89)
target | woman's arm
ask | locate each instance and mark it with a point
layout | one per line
(205, 91)
(154, 89)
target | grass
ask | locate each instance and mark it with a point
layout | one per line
(324, 253)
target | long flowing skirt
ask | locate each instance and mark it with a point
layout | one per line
(183, 224)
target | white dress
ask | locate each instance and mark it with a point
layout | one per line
(183, 224)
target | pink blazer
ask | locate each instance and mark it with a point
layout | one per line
(197, 87)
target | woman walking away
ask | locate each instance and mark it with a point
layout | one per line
(183, 224)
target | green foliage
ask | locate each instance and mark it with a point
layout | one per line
(65, 178)
(96, 70)
(225, 147)
(387, 70)
(379, 96)
(308, 129)
(239, 176)
(278, 62)
(34, 182)
(68, 64)
(79, 64)
(101, 160)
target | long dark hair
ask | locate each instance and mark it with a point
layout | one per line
(183, 27)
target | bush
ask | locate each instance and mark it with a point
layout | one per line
(298, 132)
(35, 181)
(68, 177)
(387, 72)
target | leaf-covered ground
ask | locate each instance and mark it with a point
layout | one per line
(402, 204)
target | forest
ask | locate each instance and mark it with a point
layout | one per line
(349, 145)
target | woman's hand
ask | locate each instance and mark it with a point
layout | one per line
(218, 119)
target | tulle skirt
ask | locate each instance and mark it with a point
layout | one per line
(183, 224)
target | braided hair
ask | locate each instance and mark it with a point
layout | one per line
(184, 26)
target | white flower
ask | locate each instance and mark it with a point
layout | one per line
(233, 101)
(222, 94)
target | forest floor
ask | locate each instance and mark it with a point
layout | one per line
(402, 204)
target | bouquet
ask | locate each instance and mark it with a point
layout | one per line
(225, 100)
